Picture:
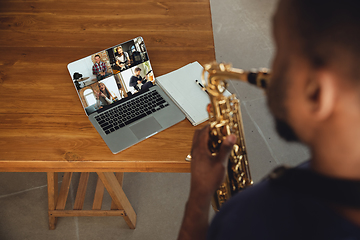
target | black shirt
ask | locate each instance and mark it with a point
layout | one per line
(268, 211)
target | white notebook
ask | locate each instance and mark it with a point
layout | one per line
(181, 86)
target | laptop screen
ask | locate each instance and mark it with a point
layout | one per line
(108, 76)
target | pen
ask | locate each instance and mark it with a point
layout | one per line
(202, 87)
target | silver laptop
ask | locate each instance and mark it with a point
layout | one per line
(118, 91)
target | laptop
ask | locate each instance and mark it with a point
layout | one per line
(119, 94)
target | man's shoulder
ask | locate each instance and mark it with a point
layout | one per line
(261, 195)
(269, 211)
(253, 208)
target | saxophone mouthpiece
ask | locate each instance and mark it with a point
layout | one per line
(259, 77)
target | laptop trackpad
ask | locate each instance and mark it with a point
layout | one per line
(145, 128)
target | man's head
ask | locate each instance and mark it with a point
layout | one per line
(119, 50)
(316, 60)
(97, 58)
(137, 71)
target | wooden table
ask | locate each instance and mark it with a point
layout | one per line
(43, 127)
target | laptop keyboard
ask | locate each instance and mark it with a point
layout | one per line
(130, 111)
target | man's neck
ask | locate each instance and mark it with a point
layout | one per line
(336, 152)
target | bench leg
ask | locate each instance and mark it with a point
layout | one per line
(118, 196)
(120, 205)
(52, 182)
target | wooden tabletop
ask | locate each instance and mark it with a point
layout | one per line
(43, 127)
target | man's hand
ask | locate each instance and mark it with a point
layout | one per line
(207, 173)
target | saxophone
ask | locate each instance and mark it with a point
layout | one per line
(225, 119)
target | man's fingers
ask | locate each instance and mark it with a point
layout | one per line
(200, 141)
(200, 134)
(200, 137)
(226, 147)
(230, 140)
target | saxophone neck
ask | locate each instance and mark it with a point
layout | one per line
(218, 73)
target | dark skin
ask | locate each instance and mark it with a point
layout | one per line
(207, 173)
(319, 104)
(323, 109)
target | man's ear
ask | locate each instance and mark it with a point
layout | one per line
(320, 93)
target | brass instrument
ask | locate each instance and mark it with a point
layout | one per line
(225, 119)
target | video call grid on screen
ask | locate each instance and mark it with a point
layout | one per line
(120, 62)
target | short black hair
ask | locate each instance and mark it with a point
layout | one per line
(97, 55)
(137, 69)
(328, 31)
